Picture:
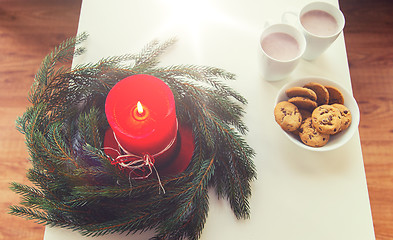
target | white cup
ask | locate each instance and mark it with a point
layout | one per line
(321, 24)
(282, 47)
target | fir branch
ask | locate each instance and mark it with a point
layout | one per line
(64, 52)
(89, 125)
(99, 158)
(25, 190)
(210, 75)
(41, 217)
(148, 58)
(31, 214)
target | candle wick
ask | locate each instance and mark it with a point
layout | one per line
(140, 108)
(139, 113)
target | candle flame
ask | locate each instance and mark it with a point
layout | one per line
(139, 107)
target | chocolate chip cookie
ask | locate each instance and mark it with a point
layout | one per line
(321, 91)
(327, 119)
(303, 103)
(346, 116)
(287, 115)
(311, 136)
(301, 92)
(335, 96)
(305, 113)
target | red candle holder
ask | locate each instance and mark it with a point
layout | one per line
(142, 116)
(171, 164)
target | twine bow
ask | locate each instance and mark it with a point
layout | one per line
(144, 164)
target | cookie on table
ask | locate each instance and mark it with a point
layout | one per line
(303, 103)
(335, 96)
(311, 136)
(346, 116)
(301, 92)
(321, 92)
(327, 119)
(287, 115)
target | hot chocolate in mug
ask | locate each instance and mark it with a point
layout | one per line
(321, 24)
(282, 46)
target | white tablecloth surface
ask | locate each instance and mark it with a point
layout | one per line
(299, 194)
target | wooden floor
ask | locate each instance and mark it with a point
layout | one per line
(30, 28)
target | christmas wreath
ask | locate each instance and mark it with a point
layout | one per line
(75, 184)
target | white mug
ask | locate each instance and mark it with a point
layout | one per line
(321, 24)
(282, 46)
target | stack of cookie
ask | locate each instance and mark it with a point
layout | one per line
(313, 112)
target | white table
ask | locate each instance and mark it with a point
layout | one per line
(299, 194)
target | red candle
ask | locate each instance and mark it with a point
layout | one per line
(141, 113)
